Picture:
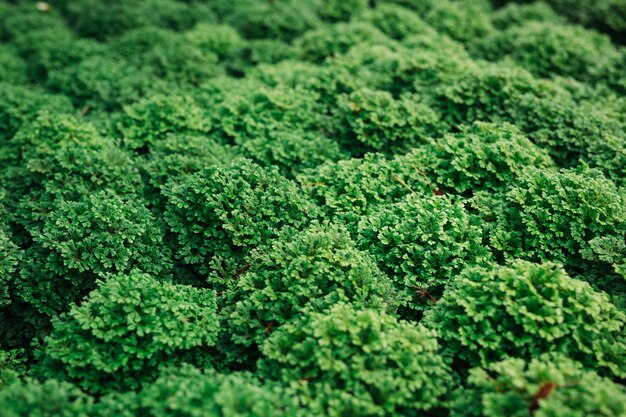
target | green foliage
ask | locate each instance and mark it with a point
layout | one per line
(350, 188)
(554, 215)
(312, 270)
(12, 367)
(513, 14)
(10, 256)
(358, 363)
(152, 119)
(524, 310)
(19, 105)
(84, 240)
(12, 67)
(262, 189)
(220, 213)
(483, 157)
(463, 20)
(205, 393)
(378, 122)
(317, 45)
(51, 398)
(101, 20)
(126, 329)
(548, 386)
(422, 242)
(397, 22)
(546, 50)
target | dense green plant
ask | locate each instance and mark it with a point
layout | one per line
(220, 213)
(546, 49)
(483, 157)
(50, 398)
(312, 270)
(397, 22)
(188, 391)
(350, 188)
(126, 329)
(553, 215)
(213, 207)
(19, 105)
(10, 256)
(152, 119)
(83, 240)
(375, 121)
(422, 242)
(518, 14)
(546, 386)
(358, 363)
(524, 310)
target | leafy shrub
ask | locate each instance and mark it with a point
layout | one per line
(513, 14)
(316, 45)
(206, 392)
(351, 362)
(19, 105)
(546, 386)
(378, 122)
(466, 23)
(397, 22)
(546, 50)
(82, 241)
(10, 256)
(554, 215)
(312, 270)
(524, 310)
(142, 324)
(350, 188)
(422, 242)
(12, 67)
(220, 213)
(99, 20)
(483, 157)
(151, 119)
(32, 398)
(292, 152)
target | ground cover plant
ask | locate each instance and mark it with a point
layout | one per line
(313, 208)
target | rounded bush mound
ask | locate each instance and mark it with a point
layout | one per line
(524, 310)
(126, 329)
(551, 385)
(375, 121)
(82, 241)
(553, 215)
(358, 363)
(32, 398)
(546, 50)
(229, 207)
(313, 270)
(482, 157)
(422, 242)
(351, 188)
(220, 213)
(205, 393)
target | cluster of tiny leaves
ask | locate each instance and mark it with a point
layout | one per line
(312, 270)
(525, 310)
(188, 391)
(357, 362)
(551, 385)
(265, 188)
(131, 325)
(422, 242)
(222, 212)
(84, 240)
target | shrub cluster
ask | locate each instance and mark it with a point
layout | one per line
(312, 208)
